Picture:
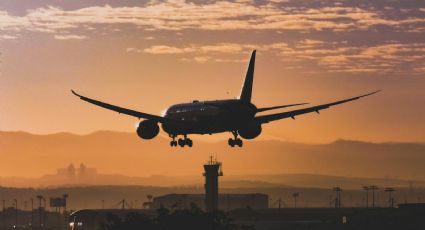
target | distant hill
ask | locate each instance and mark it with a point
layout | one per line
(114, 153)
(228, 182)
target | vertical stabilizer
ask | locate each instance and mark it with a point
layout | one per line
(247, 85)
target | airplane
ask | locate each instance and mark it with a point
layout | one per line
(238, 116)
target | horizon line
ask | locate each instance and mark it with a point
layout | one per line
(258, 140)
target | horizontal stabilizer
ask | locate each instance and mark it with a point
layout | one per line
(278, 107)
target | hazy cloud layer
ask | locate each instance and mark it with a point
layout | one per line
(329, 56)
(392, 30)
(69, 37)
(219, 15)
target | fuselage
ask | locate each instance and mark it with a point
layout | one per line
(207, 117)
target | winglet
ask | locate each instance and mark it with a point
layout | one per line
(76, 94)
(377, 91)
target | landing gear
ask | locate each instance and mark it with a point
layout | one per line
(173, 142)
(181, 142)
(235, 141)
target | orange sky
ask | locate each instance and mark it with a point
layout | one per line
(147, 56)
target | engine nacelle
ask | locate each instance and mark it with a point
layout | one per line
(147, 129)
(250, 131)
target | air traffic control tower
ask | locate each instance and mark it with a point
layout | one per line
(212, 172)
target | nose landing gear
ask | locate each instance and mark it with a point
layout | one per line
(235, 141)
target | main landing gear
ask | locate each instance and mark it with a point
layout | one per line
(181, 142)
(235, 141)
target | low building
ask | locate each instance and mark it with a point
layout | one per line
(10, 218)
(92, 219)
(226, 202)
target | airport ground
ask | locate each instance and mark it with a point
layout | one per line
(98, 197)
(408, 217)
(315, 206)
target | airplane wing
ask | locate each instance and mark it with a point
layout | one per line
(128, 111)
(259, 110)
(272, 117)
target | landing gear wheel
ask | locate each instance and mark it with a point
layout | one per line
(235, 141)
(239, 142)
(173, 142)
(231, 142)
(181, 142)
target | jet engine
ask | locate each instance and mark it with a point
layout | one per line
(147, 129)
(250, 131)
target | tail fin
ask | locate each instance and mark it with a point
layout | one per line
(247, 85)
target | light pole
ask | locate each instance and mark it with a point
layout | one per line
(40, 198)
(295, 195)
(3, 215)
(366, 188)
(390, 199)
(338, 196)
(373, 188)
(65, 197)
(32, 213)
(16, 212)
(279, 202)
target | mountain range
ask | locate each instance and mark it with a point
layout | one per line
(123, 158)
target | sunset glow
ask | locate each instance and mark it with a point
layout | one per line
(148, 55)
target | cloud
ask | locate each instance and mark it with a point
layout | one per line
(202, 59)
(162, 49)
(278, 1)
(325, 56)
(69, 37)
(385, 58)
(308, 43)
(420, 69)
(311, 42)
(227, 48)
(219, 15)
(12, 23)
(133, 50)
(149, 38)
(7, 37)
(184, 17)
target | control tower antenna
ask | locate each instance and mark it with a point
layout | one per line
(212, 172)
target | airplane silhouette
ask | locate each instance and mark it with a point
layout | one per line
(238, 116)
